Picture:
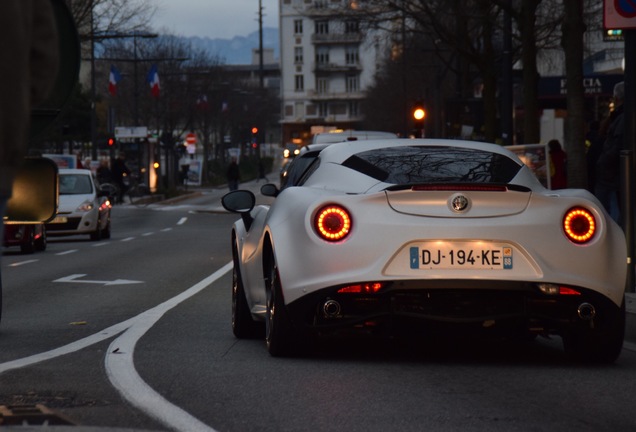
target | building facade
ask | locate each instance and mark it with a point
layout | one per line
(328, 59)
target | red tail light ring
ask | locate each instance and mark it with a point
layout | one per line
(333, 223)
(579, 225)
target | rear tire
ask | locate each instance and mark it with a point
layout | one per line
(601, 344)
(279, 332)
(28, 247)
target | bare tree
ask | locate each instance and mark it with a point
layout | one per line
(573, 29)
(96, 19)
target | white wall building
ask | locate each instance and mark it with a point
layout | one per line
(328, 59)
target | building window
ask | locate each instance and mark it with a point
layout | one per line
(322, 55)
(323, 109)
(322, 27)
(339, 109)
(298, 27)
(352, 27)
(353, 83)
(311, 110)
(300, 83)
(354, 109)
(298, 55)
(322, 85)
(352, 56)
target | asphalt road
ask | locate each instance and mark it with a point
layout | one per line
(134, 333)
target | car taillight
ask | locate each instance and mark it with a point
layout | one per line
(367, 288)
(579, 225)
(333, 223)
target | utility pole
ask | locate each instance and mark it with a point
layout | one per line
(260, 44)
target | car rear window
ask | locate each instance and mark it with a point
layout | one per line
(422, 164)
(75, 184)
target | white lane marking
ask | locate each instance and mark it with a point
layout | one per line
(67, 349)
(70, 251)
(18, 264)
(127, 239)
(128, 382)
(166, 229)
(121, 371)
(182, 221)
(74, 279)
(100, 244)
(147, 234)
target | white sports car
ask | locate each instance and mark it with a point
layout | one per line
(432, 234)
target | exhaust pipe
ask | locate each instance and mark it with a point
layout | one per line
(586, 311)
(331, 309)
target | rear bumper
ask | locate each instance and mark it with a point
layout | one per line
(489, 306)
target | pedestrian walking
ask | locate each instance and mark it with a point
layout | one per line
(233, 175)
(607, 179)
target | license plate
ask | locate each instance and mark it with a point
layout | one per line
(461, 255)
(59, 219)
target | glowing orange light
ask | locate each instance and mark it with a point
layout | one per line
(579, 225)
(333, 223)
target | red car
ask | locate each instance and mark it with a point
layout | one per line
(30, 237)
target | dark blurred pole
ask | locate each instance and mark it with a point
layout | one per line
(93, 92)
(629, 145)
(405, 115)
(506, 78)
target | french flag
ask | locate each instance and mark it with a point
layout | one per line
(153, 81)
(113, 80)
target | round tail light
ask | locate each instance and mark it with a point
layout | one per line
(579, 225)
(333, 223)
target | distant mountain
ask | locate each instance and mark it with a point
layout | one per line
(238, 50)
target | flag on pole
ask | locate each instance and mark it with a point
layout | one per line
(114, 78)
(153, 81)
(202, 102)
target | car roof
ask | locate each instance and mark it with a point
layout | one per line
(75, 171)
(353, 135)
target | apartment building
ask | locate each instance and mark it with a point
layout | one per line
(328, 57)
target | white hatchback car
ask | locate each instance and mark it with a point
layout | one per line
(82, 208)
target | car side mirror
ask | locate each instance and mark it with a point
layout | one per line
(242, 202)
(270, 190)
(34, 196)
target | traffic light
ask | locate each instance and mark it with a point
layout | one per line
(612, 35)
(419, 114)
(110, 141)
(254, 130)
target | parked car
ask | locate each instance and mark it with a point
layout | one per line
(29, 237)
(82, 207)
(350, 135)
(427, 235)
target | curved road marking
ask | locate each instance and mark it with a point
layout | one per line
(119, 363)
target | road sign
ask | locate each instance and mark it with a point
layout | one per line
(191, 138)
(619, 14)
(131, 132)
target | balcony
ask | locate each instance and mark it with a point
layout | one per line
(336, 38)
(334, 96)
(334, 67)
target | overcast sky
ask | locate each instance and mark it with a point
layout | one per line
(214, 18)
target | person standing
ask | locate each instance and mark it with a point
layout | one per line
(607, 179)
(558, 165)
(119, 170)
(30, 49)
(233, 175)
